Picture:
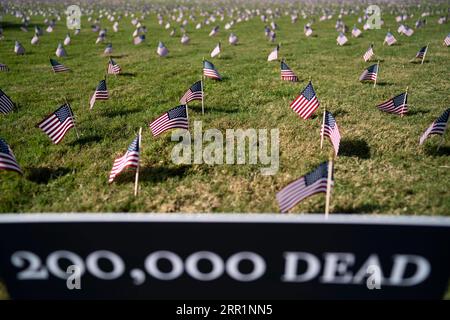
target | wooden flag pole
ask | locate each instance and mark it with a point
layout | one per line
(378, 71)
(136, 181)
(404, 101)
(203, 83)
(423, 58)
(203, 96)
(323, 126)
(73, 116)
(327, 201)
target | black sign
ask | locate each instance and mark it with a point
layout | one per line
(129, 256)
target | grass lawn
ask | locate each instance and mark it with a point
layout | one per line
(380, 169)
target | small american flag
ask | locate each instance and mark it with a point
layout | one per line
(370, 74)
(330, 129)
(129, 160)
(308, 185)
(108, 49)
(216, 50)
(437, 127)
(195, 92)
(356, 32)
(113, 67)
(58, 67)
(287, 74)
(274, 54)
(162, 51)
(6, 104)
(3, 67)
(306, 103)
(421, 53)
(210, 71)
(174, 118)
(397, 104)
(308, 31)
(341, 39)
(60, 51)
(214, 31)
(18, 48)
(58, 123)
(389, 39)
(101, 93)
(407, 31)
(368, 54)
(7, 159)
(447, 40)
(139, 39)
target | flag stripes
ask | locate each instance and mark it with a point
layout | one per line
(306, 103)
(174, 118)
(7, 159)
(6, 104)
(129, 160)
(58, 123)
(308, 185)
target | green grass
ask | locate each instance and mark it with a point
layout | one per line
(381, 169)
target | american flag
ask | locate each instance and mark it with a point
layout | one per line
(113, 67)
(389, 39)
(287, 74)
(139, 39)
(368, 54)
(370, 74)
(58, 67)
(129, 160)
(108, 49)
(101, 93)
(308, 31)
(174, 118)
(60, 51)
(437, 127)
(210, 71)
(216, 50)
(308, 185)
(330, 129)
(58, 123)
(306, 103)
(6, 104)
(447, 40)
(3, 67)
(356, 32)
(421, 53)
(407, 31)
(214, 31)
(195, 92)
(397, 104)
(19, 49)
(162, 51)
(7, 159)
(274, 54)
(341, 39)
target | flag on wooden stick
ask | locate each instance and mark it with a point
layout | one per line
(7, 159)
(312, 183)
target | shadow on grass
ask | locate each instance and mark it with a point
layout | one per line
(340, 112)
(413, 112)
(119, 56)
(354, 148)
(84, 140)
(384, 84)
(127, 74)
(120, 113)
(152, 174)
(43, 175)
(432, 150)
(364, 208)
(209, 108)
